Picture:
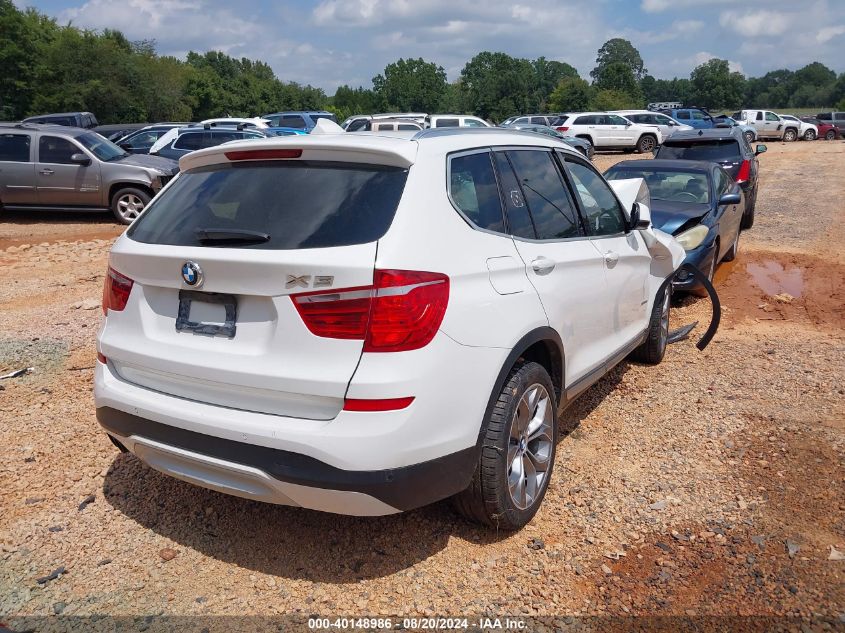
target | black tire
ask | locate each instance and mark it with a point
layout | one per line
(830, 135)
(809, 135)
(488, 499)
(653, 349)
(589, 140)
(128, 202)
(646, 144)
(734, 249)
(748, 217)
(790, 134)
(749, 137)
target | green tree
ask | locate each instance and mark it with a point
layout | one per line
(496, 86)
(411, 85)
(714, 85)
(571, 95)
(619, 51)
(619, 77)
(547, 76)
(604, 100)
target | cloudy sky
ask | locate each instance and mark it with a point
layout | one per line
(332, 42)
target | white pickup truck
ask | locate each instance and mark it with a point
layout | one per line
(768, 124)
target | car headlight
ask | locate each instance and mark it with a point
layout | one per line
(692, 238)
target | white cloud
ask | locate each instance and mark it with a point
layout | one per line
(756, 23)
(829, 32)
(658, 6)
(703, 57)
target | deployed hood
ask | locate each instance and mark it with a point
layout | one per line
(669, 216)
(168, 166)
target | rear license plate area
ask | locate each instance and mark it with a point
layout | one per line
(207, 313)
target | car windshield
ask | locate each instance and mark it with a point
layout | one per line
(102, 148)
(298, 204)
(668, 185)
(715, 150)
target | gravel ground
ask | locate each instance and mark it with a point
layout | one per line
(711, 485)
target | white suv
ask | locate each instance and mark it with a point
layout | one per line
(367, 324)
(454, 120)
(610, 131)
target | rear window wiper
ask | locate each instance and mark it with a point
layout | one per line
(232, 236)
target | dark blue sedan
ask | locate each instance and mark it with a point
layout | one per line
(697, 202)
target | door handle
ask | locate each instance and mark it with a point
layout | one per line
(543, 265)
(46, 172)
(611, 259)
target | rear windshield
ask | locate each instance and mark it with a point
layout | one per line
(299, 204)
(701, 150)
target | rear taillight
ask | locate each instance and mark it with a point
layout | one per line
(102, 359)
(744, 171)
(401, 311)
(562, 128)
(382, 404)
(116, 291)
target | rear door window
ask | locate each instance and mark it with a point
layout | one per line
(190, 141)
(292, 120)
(519, 221)
(446, 123)
(473, 190)
(585, 120)
(538, 120)
(15, 148)
(683, 114)
(299, 204)
(554, 214)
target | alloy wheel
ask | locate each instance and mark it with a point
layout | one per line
(789, 136)
(809, 135)
(130, 206)
(646, 145)
(530, 446)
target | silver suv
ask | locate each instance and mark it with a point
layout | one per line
(60, 168)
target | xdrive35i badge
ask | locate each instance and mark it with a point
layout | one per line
(192, 274)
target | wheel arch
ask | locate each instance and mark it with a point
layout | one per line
(587, 138)
(113, 189)
(542, 345)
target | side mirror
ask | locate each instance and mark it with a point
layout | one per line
(640, 217)
(126, 146)
(730, 198)
(760, 149)
(80, 159)
(628, 124)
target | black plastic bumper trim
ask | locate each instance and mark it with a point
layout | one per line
(403, 488)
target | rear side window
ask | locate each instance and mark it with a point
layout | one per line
(682, 114)
(191, 141)
(14, 148)
(825, 116)
(840, 116)
(446, 123)
(295, 121)
(299, 204)
(551, 209)
(716, 150)
(538, 120)
(408, 126)
(473, 190)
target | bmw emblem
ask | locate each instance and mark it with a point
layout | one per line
(192, 274)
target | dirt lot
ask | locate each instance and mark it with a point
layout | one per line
(711, 485)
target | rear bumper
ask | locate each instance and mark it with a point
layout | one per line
(284, 477)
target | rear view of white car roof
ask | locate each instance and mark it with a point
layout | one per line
(398, 149)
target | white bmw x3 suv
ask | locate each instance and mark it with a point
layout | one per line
(366, 324)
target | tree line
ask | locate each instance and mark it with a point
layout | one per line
(48, 67)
